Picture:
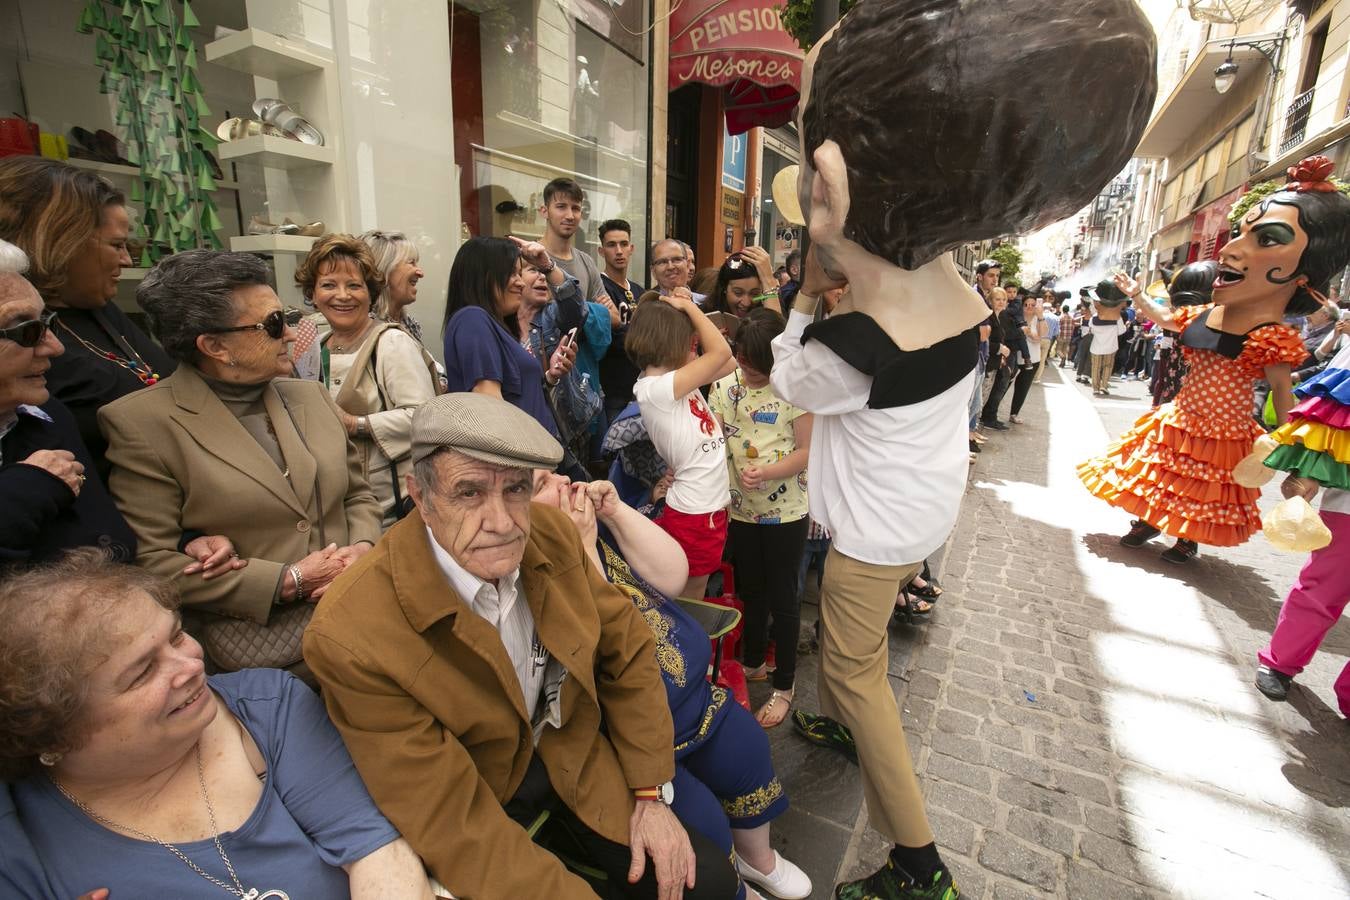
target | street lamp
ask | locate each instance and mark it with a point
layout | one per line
(1226, 73)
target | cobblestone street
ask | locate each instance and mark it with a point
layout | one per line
(1081, 714)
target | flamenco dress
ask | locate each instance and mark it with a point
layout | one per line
(1315, 443)
(1174, 468)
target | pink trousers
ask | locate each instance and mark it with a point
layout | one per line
(1320, 592)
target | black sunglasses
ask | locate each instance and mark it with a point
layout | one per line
(30, 334)
(274, 326)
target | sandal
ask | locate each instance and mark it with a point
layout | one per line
(760, 672)
(825, 732)
(775, 710)
(273, 111)
(930, 590)
(911, 610)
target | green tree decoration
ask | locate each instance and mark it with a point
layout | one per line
(798, 15)
(150, 67)
(1010, 258)
(1258, 192)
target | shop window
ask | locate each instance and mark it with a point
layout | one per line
(543, 90)
(1236, 173)
(777, 234)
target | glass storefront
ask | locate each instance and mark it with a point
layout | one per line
(776, 234)
(542, 91)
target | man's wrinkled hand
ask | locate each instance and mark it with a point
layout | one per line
(654, 831)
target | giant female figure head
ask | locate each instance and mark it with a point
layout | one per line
(1290, 244)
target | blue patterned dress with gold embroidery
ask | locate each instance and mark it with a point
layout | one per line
(724, 775)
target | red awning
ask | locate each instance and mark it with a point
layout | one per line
(739, 45)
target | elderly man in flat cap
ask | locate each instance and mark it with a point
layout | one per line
(481, 672)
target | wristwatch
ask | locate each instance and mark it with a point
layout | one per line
(663, 793)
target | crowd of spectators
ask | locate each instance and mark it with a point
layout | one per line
(503, 543)
(499, 641)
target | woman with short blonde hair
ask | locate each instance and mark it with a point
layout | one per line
(377, 373)
(396, 260)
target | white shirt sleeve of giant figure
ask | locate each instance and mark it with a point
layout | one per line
(812, 377)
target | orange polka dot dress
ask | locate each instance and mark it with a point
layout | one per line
(1174, 468)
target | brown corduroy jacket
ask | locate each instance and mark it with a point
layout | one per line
(425, 696)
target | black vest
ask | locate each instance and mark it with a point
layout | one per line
(899, 377)
(1200, 336)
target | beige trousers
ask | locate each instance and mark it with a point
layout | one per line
(856, 600)
(1045, 354)
(1102, 364)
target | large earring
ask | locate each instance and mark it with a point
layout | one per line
(49, 759)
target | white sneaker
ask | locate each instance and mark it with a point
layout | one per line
(786, 881)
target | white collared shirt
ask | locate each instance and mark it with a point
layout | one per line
(503, 606)
(886, 483)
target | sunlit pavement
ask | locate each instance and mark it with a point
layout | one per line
(1082, 714)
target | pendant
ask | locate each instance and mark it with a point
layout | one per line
(270, 895)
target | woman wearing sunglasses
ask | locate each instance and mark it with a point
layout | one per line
(74, 227)
(228, 444)
(50, 504)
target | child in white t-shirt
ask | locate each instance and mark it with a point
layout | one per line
(682, 428)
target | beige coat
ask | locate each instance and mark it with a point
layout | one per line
(181, 462)
(387, 381)
(428, 703)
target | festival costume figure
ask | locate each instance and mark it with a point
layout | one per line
(889, 375)
(1315, 450)
(1174, 469)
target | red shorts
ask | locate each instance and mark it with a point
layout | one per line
(702, 535)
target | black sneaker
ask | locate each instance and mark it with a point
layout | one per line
(1181, 552)
(1273, 684)
(994, 424)
(825, 732)
(1140, 534)
(890, 882)
(975, 447)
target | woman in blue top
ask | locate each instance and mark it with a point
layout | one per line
(126, 768)
(725, 786)
(483, 349)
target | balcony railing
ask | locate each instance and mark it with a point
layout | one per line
(1296, 121)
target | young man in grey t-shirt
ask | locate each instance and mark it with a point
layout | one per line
(562, 213)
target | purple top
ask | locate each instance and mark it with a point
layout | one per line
(479, 348)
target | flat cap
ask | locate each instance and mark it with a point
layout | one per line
(485, 428)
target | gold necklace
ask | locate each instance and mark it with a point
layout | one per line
(237, 890)
(336, 348)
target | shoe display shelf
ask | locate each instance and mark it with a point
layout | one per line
(298, 178)
(114, 170)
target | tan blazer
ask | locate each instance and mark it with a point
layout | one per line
(182, 462)
(427, 700)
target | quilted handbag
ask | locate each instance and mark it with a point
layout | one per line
(243, 644)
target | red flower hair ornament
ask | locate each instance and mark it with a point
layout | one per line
(1312, 174)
